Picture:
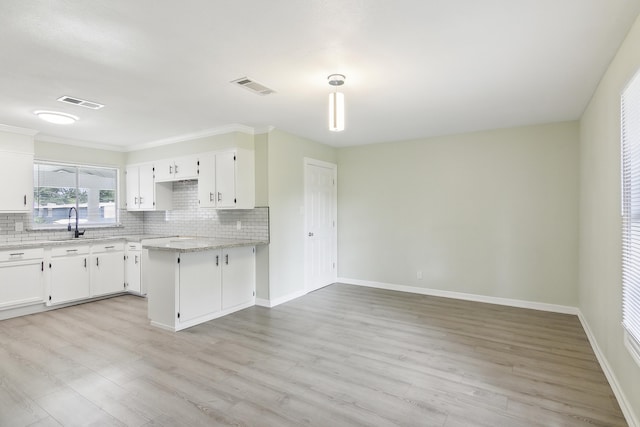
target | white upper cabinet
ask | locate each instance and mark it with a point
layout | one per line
(227, 180)
(143, 194)
(16, 182)
(178, 169)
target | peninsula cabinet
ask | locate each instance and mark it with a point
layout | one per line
(226, 180)
(69, 274)
(21, 277)
(16, 182)
(143, 194)
(189, 288)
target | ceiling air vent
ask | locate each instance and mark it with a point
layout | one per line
(253, 86)
(80, 102)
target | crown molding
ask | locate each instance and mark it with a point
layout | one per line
(79, 143)
(236, 127)
(18, 130)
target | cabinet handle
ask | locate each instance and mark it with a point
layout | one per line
(217, 260)
(175, 168)
(17, 254)
(25, 200)
(219, 196)
(135, 200)
(72, 250)
(226, 259)
(170, 170)
(97, 262)
(141, 199)
(136, 259)
(310, 234)
(109, 247)
(85, 263)
(211, 197)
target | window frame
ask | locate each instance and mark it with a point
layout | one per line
(78, 167)
(630, 213)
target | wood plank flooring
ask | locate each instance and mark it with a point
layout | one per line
(340, 356)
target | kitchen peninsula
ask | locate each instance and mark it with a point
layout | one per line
(193, 280)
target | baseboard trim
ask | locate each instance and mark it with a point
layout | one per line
(270, 303)
(262, 302)
(621, 397)
(555, 308)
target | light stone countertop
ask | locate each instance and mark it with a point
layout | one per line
(27, 244)
(199, 244)
(179, 244)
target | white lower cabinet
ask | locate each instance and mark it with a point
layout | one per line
(238, 276)
(188, 288)
(21, 277)
(200, 285)
(132, 268)
(68, 274)
(107, 269)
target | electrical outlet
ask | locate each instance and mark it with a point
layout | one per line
(19, 226)
(419, 275)
(239, 225)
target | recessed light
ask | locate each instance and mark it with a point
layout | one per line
(56, 117)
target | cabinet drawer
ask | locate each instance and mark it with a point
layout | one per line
(107, 247)
(132, 246)
(21, 254)
(70, 250)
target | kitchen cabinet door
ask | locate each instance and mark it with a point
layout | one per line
(207, 181)
(21, 277)
(69, 276)
(146, 190)
(225, 180)
(238, 276)
(186, 168)
(16, 182)
(178, 169)
(132, 267)
(107, 270)
(199, 284)
(133, 188)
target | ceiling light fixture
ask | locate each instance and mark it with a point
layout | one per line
(56, 117)
(336, 104)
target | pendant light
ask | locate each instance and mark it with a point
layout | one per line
(336, 104)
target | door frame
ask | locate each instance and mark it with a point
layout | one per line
(308, 161)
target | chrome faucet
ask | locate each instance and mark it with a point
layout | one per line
(77, 233)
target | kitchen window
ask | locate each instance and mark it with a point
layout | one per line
(59, 187)
(630, 140)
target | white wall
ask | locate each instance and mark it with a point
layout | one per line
(286, 202)
(600, 279)
(490, 213)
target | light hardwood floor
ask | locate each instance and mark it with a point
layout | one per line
(340, 356)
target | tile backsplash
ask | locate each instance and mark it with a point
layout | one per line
(186, 219)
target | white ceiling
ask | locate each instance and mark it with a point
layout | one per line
(414, 68)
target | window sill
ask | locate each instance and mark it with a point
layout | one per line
(80, 227)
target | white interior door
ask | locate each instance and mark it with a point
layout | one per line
(320, 223)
